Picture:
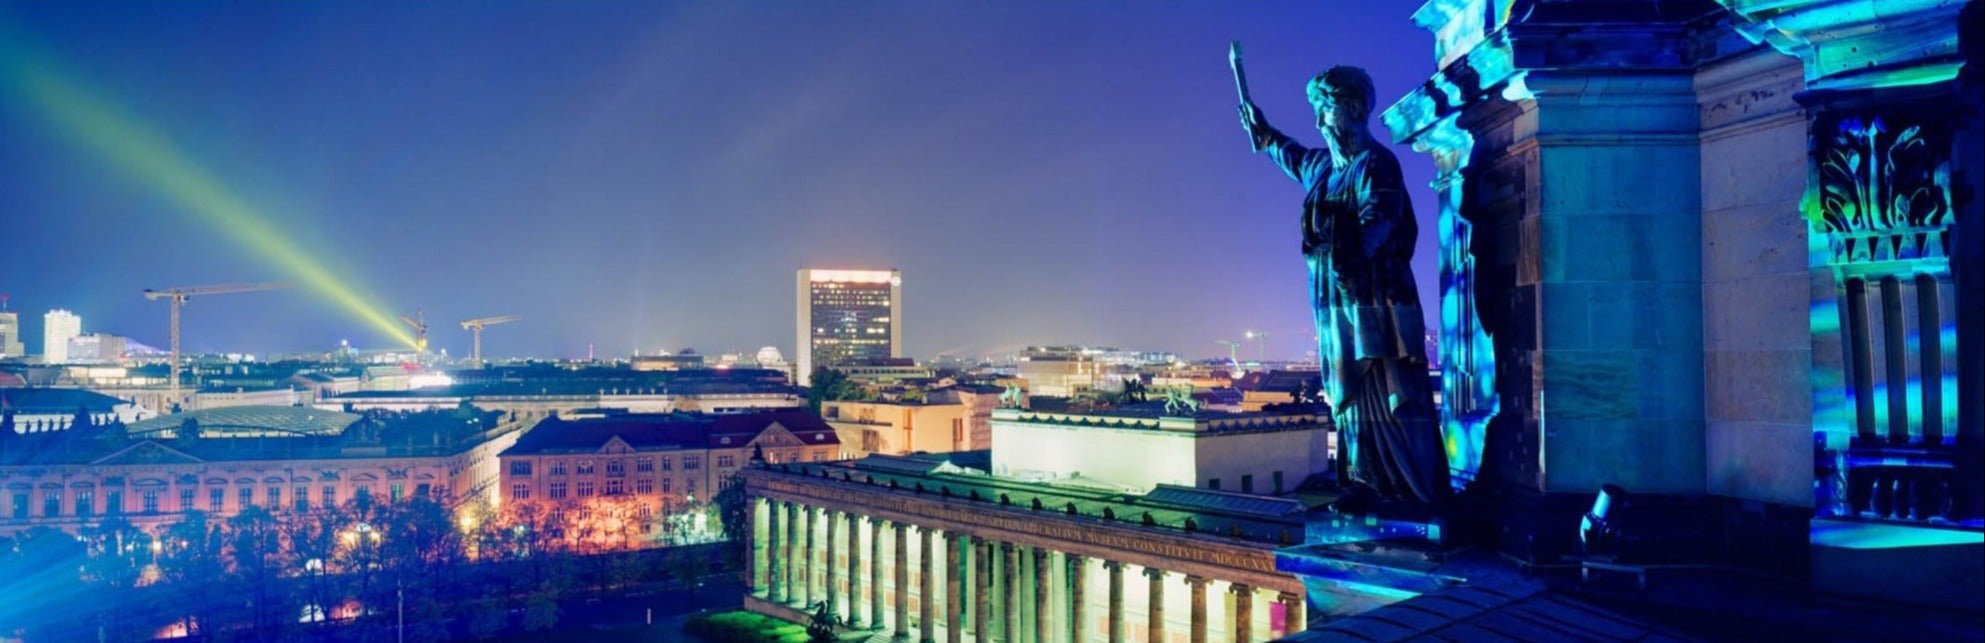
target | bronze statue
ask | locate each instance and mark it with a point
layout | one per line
(1358, 233)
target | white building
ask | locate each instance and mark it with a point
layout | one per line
(10, 335)
(1257, 453)
(58, 327)
(96, 348)
(847, 316)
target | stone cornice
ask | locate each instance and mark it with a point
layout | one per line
(1200, 554)
(1858, 44)
(1485, 52)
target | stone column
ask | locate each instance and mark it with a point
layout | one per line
(1243, 619)
(1197, 587)
(1292, 610)
(902, 582)
(1116, 600)
(855, 603)
(1156, 620)
(981, 588)
(1010, 574)
(926, 625)
(1043, 582)
(954, 568)
(775, 549)
(793, 589)
(832, 593)
(805, 567)
(875, 592)
(1078, 615)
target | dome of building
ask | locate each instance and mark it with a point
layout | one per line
(769, 356)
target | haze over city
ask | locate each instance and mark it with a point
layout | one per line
(648, 177)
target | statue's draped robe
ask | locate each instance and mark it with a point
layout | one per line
(1358, 236)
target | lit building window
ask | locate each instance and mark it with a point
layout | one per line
(216, 499)
(330, 495)
(186, 499)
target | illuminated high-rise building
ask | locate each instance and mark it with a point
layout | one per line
(58, 327)
(10, 335)
(846, 316)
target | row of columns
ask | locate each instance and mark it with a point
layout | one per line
(990, 607)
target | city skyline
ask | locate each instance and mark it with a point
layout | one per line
(601, 175)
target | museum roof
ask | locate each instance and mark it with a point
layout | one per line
(243, 433)
(296, 420)
(668, 431)
(46, 400)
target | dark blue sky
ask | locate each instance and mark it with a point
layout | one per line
(651, 175)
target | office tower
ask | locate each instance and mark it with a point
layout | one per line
(58, 327)
(847, 316)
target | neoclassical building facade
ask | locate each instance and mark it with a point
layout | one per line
(928, 551)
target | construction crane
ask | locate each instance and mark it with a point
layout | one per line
(419, 322)
(178, 297)
(1260, 338)
(475, 326)
(1233, 350)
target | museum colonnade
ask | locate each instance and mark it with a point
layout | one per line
(924, 583)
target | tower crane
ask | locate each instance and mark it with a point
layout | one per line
(1260, 338)
(475, 326)
(1233, 350)
(178, 297)
(419, 322)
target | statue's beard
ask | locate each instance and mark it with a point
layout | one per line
(1342, 140)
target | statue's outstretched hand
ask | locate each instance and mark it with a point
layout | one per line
(1253, 123)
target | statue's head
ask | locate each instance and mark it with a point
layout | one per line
(1342, 96)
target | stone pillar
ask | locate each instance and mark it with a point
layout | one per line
(954, 601)
(806, 564)
(1010, 575)
(1197, 587)
(833, 593)
(1043, 583)
(1294, 620)
(1116, 600)
(1156, 616)
(875, 592)
(793, 590)
(926, 599)
(1243, 618)
(855, 603)
(902, 537)
(1078, 614)
(775, 549)
(753, 568)
(981, 588)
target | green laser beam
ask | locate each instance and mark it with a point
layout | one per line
(152, 161)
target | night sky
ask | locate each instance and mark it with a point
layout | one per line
(644, 176)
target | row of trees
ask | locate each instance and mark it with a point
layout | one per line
(263, 575)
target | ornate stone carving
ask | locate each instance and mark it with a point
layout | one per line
(1883, 190)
